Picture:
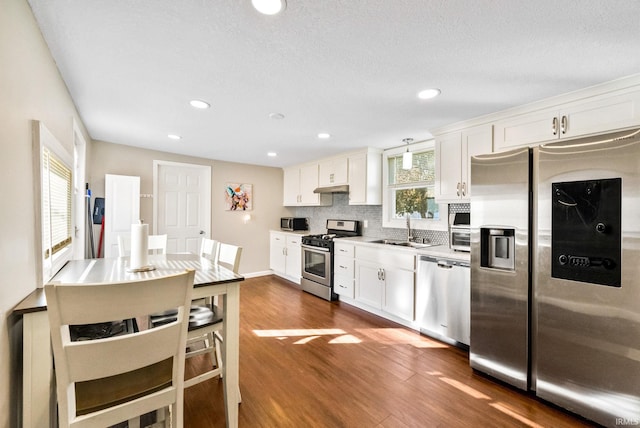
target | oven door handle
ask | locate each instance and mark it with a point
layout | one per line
(310, 247)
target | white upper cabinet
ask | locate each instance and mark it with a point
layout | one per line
(334, 172)
(299, 183)
(592, 115)
(361, 170)
(365, 178)
(453, 160)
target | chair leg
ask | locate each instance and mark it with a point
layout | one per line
(218, 353)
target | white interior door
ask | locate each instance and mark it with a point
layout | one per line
(182, 204)
(121, 209)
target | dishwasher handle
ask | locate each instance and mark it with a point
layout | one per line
(443, 263)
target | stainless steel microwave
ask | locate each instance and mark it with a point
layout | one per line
(294, 223)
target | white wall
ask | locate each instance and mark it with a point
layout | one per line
(226, 226)
(30, 88)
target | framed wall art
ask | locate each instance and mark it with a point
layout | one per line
(238, 197)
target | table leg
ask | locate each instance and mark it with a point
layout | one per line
(231, 348)
(37, 371)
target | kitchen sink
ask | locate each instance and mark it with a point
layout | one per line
(402, 243)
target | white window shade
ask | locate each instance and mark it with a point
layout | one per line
(54, 173)
(56, 204)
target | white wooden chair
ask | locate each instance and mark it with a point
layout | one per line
(206, 323)
(229, 256)
(157, 244)
(209, 249)
(105, 381)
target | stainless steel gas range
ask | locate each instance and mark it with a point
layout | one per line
(317, 257)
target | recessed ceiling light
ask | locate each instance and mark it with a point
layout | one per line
(269, 7)
(272, 154)
(428, 93)
(324, 135)
(276, 116)
(174, 136)
(199, 104)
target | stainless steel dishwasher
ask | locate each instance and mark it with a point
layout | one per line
(443, 296)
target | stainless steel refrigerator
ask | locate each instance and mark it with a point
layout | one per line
(555, 273)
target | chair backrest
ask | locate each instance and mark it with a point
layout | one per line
(229, 256)
(156, 244)
(209, 249)
(109, 380)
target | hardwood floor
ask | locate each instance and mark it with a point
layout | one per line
(306, 362)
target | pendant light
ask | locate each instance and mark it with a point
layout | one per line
(407, 157)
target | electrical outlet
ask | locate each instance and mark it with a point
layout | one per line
(365, 223)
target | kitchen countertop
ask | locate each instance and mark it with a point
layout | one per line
(435, 251)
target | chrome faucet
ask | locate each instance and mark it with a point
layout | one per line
(408, 228)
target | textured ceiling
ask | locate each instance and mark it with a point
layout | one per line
(351, 68)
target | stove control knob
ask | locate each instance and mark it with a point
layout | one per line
(563, 259)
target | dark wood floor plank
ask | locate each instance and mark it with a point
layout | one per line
(306, 362)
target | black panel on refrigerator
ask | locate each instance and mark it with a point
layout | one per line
(586, 231)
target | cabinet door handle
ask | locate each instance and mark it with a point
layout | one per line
(464, 189)
(382, 274)
(379, 275)
(458, 189)
(563, 124)
(554, 126)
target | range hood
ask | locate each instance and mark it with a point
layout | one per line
(332, 189)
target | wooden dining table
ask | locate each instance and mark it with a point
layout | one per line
(211, 279)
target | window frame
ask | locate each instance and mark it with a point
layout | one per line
(47, 267)
(387, 206)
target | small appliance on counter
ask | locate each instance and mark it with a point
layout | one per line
(317, 257)
(460, 232)
(294, 223)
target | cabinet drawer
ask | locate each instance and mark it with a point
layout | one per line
(344, 250)
(343, 286)
(343, 266)
(294, 240)
(278, 237)
(397, 259)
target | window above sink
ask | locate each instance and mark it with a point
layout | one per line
(411, 192)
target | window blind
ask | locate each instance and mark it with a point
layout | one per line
(56, 203)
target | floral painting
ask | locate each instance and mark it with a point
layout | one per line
(239, 197)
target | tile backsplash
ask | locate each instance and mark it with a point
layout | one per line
(373, 214)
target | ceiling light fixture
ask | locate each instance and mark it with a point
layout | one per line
(427, 94)
(272, 154)
(199, 104)
(407, 157)
(276, 116)
(269, 7)
(324, 135)
(174, 137)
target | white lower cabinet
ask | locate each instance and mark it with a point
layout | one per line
(285, 255)
(384, 280)
(343, 270)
